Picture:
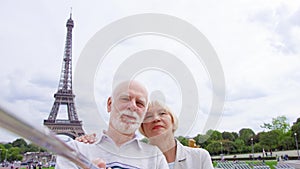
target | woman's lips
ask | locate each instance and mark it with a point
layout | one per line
(156, 127)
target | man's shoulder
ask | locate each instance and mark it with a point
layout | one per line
(148, 147)
(78, 145)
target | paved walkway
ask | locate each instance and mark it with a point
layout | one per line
(293, 163)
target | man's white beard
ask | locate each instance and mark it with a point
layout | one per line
(129, 126)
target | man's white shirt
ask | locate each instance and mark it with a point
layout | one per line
(133, 154)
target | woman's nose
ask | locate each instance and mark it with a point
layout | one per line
(156, 118)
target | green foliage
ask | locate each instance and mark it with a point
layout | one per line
(214, 148)
(228, 147)
(8, 146)
(257, 147)
(286, 143)
(145, 140)
(184, 141)
(279, 123)
(296, 129)
(17, 148)
(269, 139)
(228, 136)
(32, 148)
(214, 135)
(280, 137)
(19, 143)
(240, 145)
(235, 134)
(202, 140)
(246, 134)
(14, 154)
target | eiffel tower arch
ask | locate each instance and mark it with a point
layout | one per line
(72, 126)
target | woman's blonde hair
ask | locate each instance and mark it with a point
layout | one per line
(168, 110)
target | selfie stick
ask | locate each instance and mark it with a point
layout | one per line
(44, 139)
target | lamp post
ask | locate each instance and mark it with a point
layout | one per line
(222, 155)
(252, 148)
(221, 147)
(296, 141)
(5, 155)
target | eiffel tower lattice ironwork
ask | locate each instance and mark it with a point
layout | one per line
(71, 127)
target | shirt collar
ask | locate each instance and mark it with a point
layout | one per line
(180, 155)
(102, 136)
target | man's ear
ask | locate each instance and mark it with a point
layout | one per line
(108, 104)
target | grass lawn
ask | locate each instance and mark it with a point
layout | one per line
(270, 163)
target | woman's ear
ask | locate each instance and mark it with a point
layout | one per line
(173, 128)
(173, 123)
(141, 129)
(109, 104)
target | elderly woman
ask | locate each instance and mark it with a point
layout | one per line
(159, 126)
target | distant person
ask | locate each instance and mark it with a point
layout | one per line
(234, 158)
(118, 147)
(259, 157)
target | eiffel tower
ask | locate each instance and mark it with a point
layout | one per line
(71, 127)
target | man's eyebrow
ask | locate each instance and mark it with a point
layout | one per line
(124, 94)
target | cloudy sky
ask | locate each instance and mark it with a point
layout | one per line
(257, 43)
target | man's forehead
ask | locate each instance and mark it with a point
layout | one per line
(131, 86)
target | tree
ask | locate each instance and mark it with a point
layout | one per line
(257, 147)
(202, 140)
(228, 136)
(240, 145)
(8, 146)
(228, 146)
(14, 154)
(297, 121)
(19, 143)
(269, 140)
(246, 134)
(184, 141)
(286, 142)
(235, 135)
(214, 148)
(296, 129)
(279, 123)
(2, 149)
(32, 148)
(214, 135)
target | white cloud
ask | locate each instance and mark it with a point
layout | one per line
(256, 41)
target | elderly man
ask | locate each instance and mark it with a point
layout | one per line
(118, 146)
